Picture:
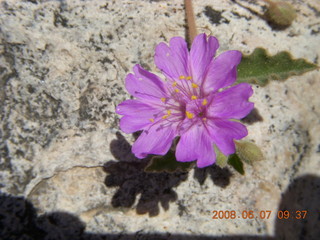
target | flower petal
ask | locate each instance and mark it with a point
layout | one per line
(201, 53)
(137, 115)
(223, 132)
(196, 145)
(156, 140)
(187, 145)
(144, 84)
(207, 156)
(232, 102)
(130, 124)
(222, 71)
(136, 108)
(173, 60)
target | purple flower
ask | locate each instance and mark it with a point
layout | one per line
(188, 103)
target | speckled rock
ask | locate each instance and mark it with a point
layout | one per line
(62, 68)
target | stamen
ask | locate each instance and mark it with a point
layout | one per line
(204, 102)
(194, 85)
(169, 112)
(193, 97)
(151, 120)
(204, 119)
(189, 115)
(163, 99)
(177, 90)
(188, 78)
(164, 117)
(174, 84)
(182, 77)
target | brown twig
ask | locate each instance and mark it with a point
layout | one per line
(192, 31)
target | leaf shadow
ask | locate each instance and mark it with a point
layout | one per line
(129, 176)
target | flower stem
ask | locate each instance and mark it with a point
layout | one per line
(192, 31)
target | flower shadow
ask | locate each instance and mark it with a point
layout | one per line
(129, 176)
(220, 176)
(253, 117)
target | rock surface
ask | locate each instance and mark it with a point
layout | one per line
(62, 67)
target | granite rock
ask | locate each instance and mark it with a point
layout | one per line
(62, 67)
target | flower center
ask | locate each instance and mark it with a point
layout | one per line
(185, 101)
(196, 109)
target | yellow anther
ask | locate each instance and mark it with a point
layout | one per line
(204, 102)
(164, 117)
(169, 112)
(204, 119)
(194, 85)
(188, 78)
(174, 84)
(182, 77)
(177, 90)
(193, 97)
(163, 99)
(189, 115)
(151, 120)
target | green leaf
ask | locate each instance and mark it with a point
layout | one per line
(221, 160)
(236, 163)
(248, 152)
(259, 68)
(167, 163)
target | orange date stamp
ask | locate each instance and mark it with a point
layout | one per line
(264, 214)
